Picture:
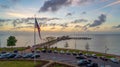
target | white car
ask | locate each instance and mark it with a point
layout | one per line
(115, 60)
(62, 52)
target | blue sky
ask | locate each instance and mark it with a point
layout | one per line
(61, 15)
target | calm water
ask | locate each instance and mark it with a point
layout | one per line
(97, 43)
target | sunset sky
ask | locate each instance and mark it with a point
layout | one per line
(60, 15)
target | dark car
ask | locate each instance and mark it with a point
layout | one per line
(18, 56)
(11, 55)
(3, 56)
(43, 50)
(15, 51)
(104, 58)
(49, 51)
(80, 53)
(92, 65)
(80, 57)
(68, 52)
(94, 56)
(83, 62)
(55, 51)
(35, 56)
(74, 54)
(29, 55)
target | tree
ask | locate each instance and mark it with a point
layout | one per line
(11, 41)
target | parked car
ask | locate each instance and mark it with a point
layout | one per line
(74, 54)
(11, 55)
(18, 56)
(94, 55)
(62, 52)
(55, 51)
(104, 58)
(28, 55)
(68, 52)
(15, 51)
(83, 62)
(3, 52)
(4, 55)
(115, 60)
(43, 50)
(88, 55)
(37, 51)
(92, 65)
(49, 51)
(35, 56)
(80, 53)
(80, 57)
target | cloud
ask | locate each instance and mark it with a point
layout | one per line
(64, 25)
(85, 27)
(4, 6)
(1, 24)
(118, 26)
(20, 27)
(52, 24)
(79, 21)
(55, 5)
(4, 20)
(53, 27)
(11, 2)
(82, 2)
(69, 14)
(44, 25)
(84, 12)
(43, 19)
(101, 20)
(77, 26)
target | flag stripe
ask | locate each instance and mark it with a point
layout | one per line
(38, 27)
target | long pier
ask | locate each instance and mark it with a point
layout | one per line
(52, 42)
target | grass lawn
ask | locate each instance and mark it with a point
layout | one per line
(17, 64)
(59, 65)
(12, 49)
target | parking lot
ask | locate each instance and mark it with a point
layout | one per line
(62, 57)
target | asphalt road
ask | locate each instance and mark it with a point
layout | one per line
(70, 59)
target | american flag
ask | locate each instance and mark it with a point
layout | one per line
(38, 27)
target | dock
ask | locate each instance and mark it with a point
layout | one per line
(58, 39)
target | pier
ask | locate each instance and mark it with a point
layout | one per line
(52, 42)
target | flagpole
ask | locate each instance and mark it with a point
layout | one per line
(34, 41)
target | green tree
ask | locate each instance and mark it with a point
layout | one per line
(11, 41)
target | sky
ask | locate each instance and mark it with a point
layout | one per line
(60, 15)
